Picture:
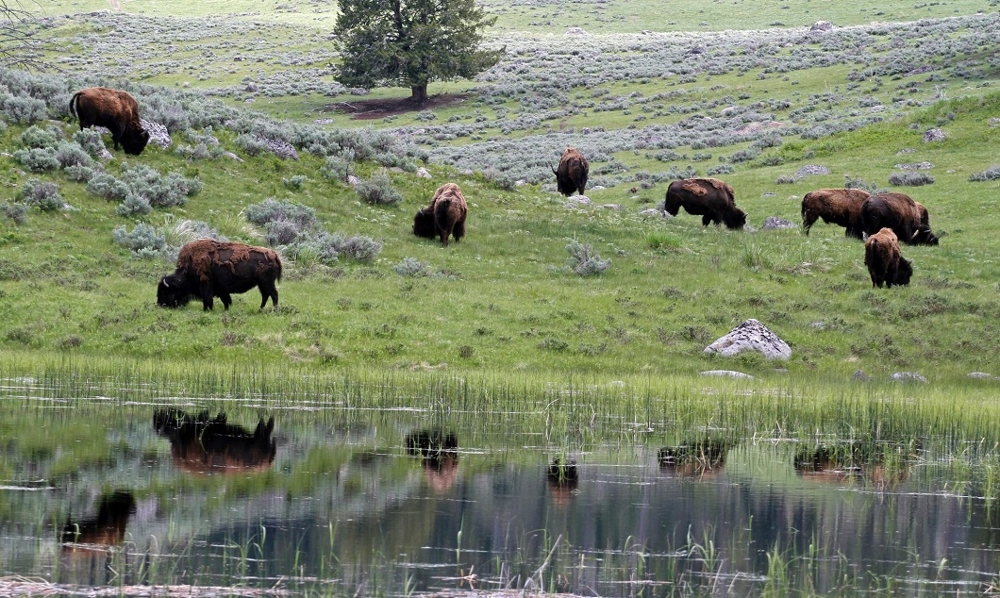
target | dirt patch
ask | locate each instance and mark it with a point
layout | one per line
(370, 109)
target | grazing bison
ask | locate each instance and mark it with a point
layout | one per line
(199, 444)
(711, 199)
(835, 206)
(571, 174)
(208, 269)
(114, 109)
(884, 262)
(444, 216)
(907, 218)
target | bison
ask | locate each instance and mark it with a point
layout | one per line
(907, 218)
(438, 451)
(444, 216)
(200, 444)
(885, 264)
(208, 269)
(114, 109)
(835, 206)
(571, 174)
(711, 199)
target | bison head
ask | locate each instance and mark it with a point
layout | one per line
(735, 218)
(172, 292)
(903, 272)
(135, 140)
(423, 223)
(924, 236)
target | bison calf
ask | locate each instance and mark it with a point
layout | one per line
(835, 206)
(571, 174)
(712, 199)
(115, 110)
(885, 264)
(444, 217)
(208, 269)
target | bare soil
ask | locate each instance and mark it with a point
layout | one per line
(371, 109)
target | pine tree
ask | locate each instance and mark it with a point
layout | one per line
(408, 43)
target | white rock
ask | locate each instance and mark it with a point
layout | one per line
(727, 374)
(751, 335)
(422, 173)
(909, 377)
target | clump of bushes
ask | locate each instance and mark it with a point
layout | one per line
(584, 261)
(990, 174)
(910, 179)
(293, 228)
(378, 190)
(37, 159)
(144, 241)
(141, 188)
(43, 195)
(411, 267)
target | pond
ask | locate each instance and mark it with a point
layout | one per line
(216, 497)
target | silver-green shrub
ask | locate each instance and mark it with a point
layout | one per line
(584, 261)
(38, 136)
(271, 210)
(37, 159)
(16, 212)
(338, 168)
(133, 206)
(70, 154)
(91, 142)
(411, 267)
(378, 190)
(910, 179)
(107, 186)
(143, 241)
(990, 174)
(40, 194)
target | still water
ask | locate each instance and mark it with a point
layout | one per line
(216, 498)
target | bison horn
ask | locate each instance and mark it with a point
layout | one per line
(165, 283)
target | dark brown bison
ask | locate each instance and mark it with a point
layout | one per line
(199, 444)
(712, 199)
(207, 269)
(835, 206)
(444, 216)
(907, 218)
(115, 110)
(571, 174)
(885, 264)
(107, 528)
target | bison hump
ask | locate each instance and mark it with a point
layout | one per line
(694, 188)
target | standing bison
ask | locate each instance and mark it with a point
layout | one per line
(114, 109)
(571, 174)
(711, 199)
(445, 216)
(208, 269)
(835, 206)
(907, 218)
(885, 264)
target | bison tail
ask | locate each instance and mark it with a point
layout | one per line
(277, 269)
(73, 102)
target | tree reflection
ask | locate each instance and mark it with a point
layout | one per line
(199, 444)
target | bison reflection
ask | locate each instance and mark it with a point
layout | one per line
(104, 530)
(438, 452)
(563, 479)
(881, 464)
(199, 444)
(701, 458)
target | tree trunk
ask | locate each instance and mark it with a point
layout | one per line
(418, 94)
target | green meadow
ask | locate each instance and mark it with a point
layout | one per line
(506, 299)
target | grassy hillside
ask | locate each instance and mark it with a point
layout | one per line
(760, 105)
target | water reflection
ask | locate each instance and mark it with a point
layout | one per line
(104, 530)
(881, 464)
(202, 445)
(700, 458)
(563, 479)
(438, 452)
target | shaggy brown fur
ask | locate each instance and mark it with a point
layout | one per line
(712, 199)
(114, 109)
(907, 218)
(207, 269)
(884, 262)
(835, 206)
(444, 217)
(571, 175)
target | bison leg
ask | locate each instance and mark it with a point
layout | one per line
(458, 231)
(226, 299)
(808, 219)
(707, 219)
(268, 290)
(207, 301)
